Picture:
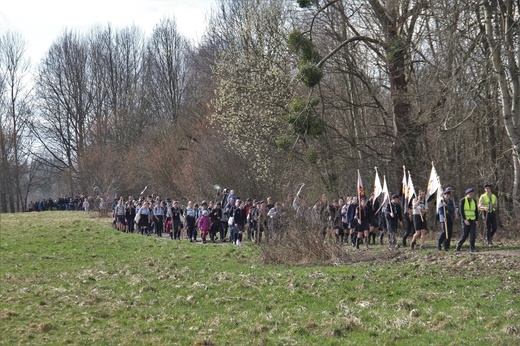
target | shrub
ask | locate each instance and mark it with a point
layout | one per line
(301, 242)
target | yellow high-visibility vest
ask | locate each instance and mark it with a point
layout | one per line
(485, 201)
(469, 209)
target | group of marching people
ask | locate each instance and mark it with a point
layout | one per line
(350, 220)
(360, 222)
(224, 221)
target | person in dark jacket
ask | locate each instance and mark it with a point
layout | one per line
(373, 211)
(394, 217)
(362, 220)
(175, 214)
(351, 222)
(216, 227)
(239, 217)
(446, 211)
(130, 216)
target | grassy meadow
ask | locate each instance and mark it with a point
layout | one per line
(71, 279)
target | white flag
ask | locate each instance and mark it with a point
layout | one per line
(433, 183)
(386, 194)
(377, 186)
(410, 189)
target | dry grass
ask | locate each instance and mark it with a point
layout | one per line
(302, 243)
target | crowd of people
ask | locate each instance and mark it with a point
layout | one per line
(78, 202)
(228, 220)
(61, 203)
(341, 220)
(351, 220)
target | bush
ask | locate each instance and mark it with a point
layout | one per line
(301, 242)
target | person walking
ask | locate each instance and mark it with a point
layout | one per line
(394, 217)
(86, 206)
(276, 215)
(351, 222)
(487, 204)
(176, 214)
(469, 216)
(339, 230)
(362, 220)
(240, 221)
(420, 209)
(409, 226)
(447, 216)
(373, 212)
(143, 217)
(119, 212)
(229, 211)
(252, 218)
(158, 218)
(130, 216)
(204, 225)
(191, 218)
(216, 227)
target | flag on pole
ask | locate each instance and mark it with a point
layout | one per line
(386, 194)
(361, 191)
(433, 184)
(439, 194)
(410, 190)
(404, 188)
(404, 183)
(377, 186)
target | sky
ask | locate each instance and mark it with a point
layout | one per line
(40, 22)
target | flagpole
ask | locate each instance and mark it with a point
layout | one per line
(378, 188)
(384, 192)
(410, 178)
(445, 220)
(359, 194)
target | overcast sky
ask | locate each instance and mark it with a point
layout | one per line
(40, 22)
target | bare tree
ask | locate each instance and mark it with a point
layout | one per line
(64, 90)
(15, 111)
(167, 67)
(389, 30)
(116, 62)
(502, 31)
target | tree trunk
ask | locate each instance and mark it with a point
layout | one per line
(504, 29)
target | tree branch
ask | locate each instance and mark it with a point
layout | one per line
(319, 11)
(344, 43)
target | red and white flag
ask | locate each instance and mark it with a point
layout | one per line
(404, 183)
(361, 191)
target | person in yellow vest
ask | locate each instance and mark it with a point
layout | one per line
(487, 204)
(468, 211)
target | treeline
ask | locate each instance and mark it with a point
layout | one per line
(277, 93)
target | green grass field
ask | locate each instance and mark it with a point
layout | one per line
(71, 279)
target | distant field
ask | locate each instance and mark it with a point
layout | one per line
(71, 279)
